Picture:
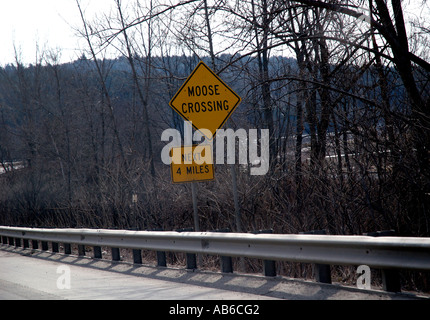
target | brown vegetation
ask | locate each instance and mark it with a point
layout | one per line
(348, 118)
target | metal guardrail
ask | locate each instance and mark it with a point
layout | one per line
(376, 252)
(381, 252)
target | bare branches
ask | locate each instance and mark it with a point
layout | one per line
(345, 99)
(103, 83)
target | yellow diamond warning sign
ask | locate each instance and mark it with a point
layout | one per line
(205, 100)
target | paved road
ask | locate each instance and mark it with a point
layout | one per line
(24, 277)
(37, 275)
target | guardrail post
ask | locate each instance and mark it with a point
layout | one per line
(269, 266)
(161, 255)
(390, 277)
(115, 254)
(161, 259)
(137, 253)
(191, 257)
(225, 261)
(137, 256)
(26, 244)
(67, 248)
(35, 244)
(55, 247)
(4, 239)
(44, 245)
(11, 241)
(322, 272)
(191, 261)
(17, 242)
(97, 252)
(81, 250)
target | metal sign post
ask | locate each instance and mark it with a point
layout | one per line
(195, 208)
(207, 102)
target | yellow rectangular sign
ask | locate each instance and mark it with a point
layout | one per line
(192, 163)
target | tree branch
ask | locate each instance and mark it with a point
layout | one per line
(386, 31)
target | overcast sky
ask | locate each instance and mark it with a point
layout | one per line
(48, 23)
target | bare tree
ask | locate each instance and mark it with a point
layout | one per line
(143, 97)
(87, 36)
